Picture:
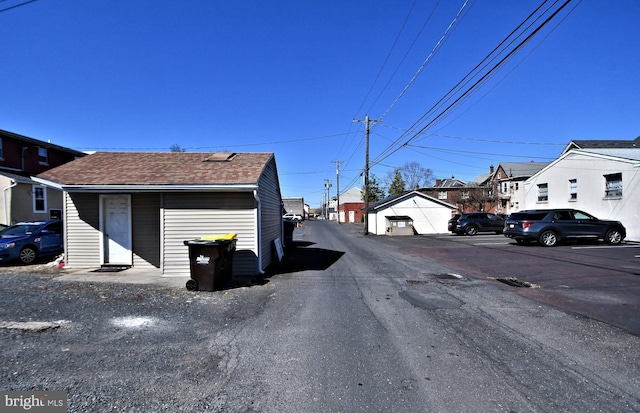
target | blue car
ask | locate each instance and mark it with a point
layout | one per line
(27, 241)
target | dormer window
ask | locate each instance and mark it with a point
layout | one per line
(43, 156)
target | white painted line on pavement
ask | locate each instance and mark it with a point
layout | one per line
(493, 243)
(604, 247)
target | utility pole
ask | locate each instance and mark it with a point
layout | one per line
(324, 204)
(366, 121)
(338, 188)
(327, 185)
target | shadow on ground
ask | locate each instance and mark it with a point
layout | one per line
(301, 256)
(298, 256)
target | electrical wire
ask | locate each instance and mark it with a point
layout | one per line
(470, 75)
(415, 40)
(395, 42)
(391, 150)
(427, 60)
(17, 5)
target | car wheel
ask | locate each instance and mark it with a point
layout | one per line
(548, 239)
(28, 255)
(471, 230)
(613, 236)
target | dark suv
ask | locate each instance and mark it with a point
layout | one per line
(471, 223)
(550, 226)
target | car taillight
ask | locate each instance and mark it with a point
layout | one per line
(526, 224)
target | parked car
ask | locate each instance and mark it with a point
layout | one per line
(27, 241)
(451, 226)
(293, 217)
(550, 226)
(471, 223)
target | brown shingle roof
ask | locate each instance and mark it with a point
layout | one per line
(161, 168)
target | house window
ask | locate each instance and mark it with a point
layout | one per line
(573, 189)
(543, 192)
(516, 186)
(614, 186)
(43, 156)
(1, 150)
(465, 194)
(39, 199)
(442, 195)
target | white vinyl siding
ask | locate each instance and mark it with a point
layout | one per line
(271, 213)
(145, 220)
(187, 216)
(429, 216)
(81, 220)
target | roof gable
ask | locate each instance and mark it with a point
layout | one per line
(601, 144)
(395, 199)
(160, 168)
(514, 170)
(629, 156)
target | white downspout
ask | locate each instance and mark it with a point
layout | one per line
(4, 196)
(259, 231)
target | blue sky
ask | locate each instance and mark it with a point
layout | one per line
(290, 77)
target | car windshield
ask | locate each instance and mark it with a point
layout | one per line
(26, 229)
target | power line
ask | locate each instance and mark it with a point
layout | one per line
(428, 59)
(395, 42)
(465, 80)
(17, 5)
(229, 146)
(406, 54)
(483, 140)
(391, 150)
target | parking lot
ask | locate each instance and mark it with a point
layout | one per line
(591, 278)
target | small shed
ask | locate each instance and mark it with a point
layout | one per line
(136, 209)
(428, 215)
(399, 225)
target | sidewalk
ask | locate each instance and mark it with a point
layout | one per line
(127, 276)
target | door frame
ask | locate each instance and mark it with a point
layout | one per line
(103, 245)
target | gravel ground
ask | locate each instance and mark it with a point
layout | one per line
(117, 347)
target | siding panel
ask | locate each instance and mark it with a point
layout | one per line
(187, 216)
(271, 212)
(81, 218)
(145, 222)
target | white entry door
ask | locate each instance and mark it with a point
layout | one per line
(352, 216)
(116, 229)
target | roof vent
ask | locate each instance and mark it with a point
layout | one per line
(220, 157)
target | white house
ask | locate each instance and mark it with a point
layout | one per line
(429, 215)
(604, 182)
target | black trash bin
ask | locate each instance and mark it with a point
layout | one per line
(210, 262)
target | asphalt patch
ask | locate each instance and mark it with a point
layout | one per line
(430, 301)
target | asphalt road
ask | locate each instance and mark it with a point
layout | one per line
(348, 324)
(591, 278)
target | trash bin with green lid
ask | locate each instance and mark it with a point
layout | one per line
(210, 261)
